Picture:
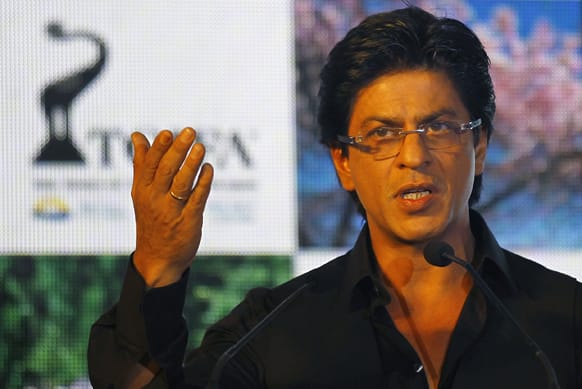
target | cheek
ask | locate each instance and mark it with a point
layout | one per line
(371, 182)
(464, 174)
(455, 170)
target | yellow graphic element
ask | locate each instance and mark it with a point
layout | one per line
(51, 208)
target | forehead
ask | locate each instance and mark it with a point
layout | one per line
(408, 96)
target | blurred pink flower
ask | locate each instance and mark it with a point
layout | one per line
(538, 85)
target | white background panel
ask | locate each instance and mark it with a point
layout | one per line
(214, 66)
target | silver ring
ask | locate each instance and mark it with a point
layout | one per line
(179, 198)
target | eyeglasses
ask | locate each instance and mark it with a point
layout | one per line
(385, 142)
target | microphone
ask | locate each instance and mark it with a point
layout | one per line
(441, 254)
(242, 342)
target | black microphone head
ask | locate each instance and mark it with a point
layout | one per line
(434, 253)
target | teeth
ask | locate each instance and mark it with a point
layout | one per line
(415, 195)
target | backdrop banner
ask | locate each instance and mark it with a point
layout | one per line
(79, 77)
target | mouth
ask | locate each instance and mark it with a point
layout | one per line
(416, 191)
(415, 194)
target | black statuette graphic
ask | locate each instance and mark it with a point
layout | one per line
(57, 99)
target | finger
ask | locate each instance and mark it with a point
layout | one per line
(141, 146)
(173, 158)
(199, 196)
(183, 180)
(154, 155)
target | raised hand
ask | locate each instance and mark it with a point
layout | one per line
(168, 203)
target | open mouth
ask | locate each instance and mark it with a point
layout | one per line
(415, 194)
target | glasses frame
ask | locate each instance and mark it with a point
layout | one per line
(357, 140)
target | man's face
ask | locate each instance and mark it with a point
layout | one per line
(418, 194)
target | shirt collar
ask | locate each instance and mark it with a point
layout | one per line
(362, 272)
(489, 259)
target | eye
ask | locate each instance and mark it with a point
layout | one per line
(440, 127)
(383, 133)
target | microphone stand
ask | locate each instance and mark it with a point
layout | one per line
(538, 352)
(235, 348)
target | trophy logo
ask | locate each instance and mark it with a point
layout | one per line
(57, 99)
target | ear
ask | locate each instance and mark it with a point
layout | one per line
(342, 168)
(481, 152)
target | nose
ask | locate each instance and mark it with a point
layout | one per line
(413, 152)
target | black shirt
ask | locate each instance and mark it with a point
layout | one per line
(338, 334)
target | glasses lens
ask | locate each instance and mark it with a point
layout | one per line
(385, 148)
(441, 140)
(433, 139)
(386, 142)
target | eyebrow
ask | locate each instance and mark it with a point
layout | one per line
(397, 123)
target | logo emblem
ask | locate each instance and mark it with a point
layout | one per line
(57, 99)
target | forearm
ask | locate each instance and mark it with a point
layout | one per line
(120, 346)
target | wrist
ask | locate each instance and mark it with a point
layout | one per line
(155, 272)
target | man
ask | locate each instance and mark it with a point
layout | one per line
(406, 108)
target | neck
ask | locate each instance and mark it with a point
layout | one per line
(404, 268)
